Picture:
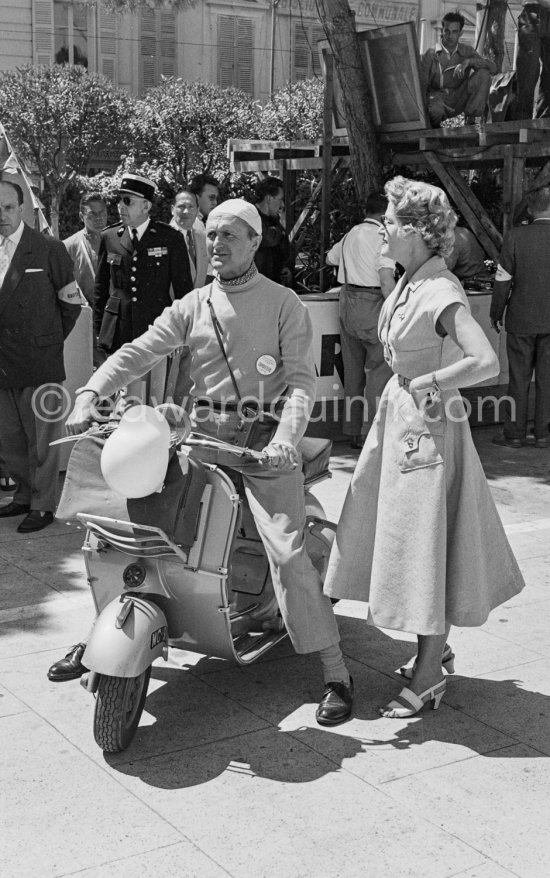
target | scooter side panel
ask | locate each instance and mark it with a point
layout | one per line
(194, 601)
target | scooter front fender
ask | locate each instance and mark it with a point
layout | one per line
(128, 635)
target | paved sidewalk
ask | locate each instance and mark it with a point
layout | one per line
(229, 775)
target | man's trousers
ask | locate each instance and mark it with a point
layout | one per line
(527, 353)
(366, 373)
(31, 418)
(470, 96)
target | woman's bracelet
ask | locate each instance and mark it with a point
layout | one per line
(435, 385)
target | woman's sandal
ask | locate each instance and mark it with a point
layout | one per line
(447, 663)
(396, 710)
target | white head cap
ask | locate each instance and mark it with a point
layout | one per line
(240, 208)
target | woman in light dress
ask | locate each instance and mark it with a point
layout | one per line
(419, 538)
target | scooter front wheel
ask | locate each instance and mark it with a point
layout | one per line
(118, 709)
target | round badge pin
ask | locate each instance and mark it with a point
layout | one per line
(266, 364)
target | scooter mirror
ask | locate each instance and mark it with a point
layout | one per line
(135, 457)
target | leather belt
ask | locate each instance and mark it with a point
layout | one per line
(216, 406)
(361, 287)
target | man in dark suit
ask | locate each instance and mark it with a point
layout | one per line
(39, 305)
(185, 209)
(143, 266)
(274, 256)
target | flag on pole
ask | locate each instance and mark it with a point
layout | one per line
(14, 170)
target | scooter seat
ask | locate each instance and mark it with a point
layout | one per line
(315, 458)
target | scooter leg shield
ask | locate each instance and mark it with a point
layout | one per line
(128, 635)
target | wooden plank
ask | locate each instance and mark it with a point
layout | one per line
(507, 187)
(306, 212)
(512, 188)
(327, 164)
(305, 164)
(289, 185)
(276, 165)
(518, 176)
(478, 209)
(510, 130)
(488, 156)
(236, 145)
(472, 211)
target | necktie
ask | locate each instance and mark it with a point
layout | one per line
(191, 248)
(135, 239)
(4, 258)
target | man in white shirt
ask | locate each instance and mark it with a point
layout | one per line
(83, 248)
(366, 279)
(185, 209)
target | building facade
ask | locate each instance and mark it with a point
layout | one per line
(254, 45)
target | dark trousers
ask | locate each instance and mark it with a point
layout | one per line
(31, 418)
(470, 96)
(527, 353)
(533, 63)
(366, 373)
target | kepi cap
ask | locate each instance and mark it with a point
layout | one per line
(140, 186)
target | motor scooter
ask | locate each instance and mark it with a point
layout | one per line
(210, 594)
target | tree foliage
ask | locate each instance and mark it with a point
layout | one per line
(294, 112)
(58, 117)
(181, 128)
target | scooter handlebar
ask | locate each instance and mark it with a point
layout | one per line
(203, 441)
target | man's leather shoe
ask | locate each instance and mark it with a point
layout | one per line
(35, 520)
(70, 667)
(509, 443)
(336, 704)
(14, 509)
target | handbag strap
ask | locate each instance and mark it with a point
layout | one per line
(218, 331)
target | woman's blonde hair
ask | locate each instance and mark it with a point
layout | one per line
(425, 209)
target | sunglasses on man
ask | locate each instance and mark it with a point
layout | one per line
(128, 199)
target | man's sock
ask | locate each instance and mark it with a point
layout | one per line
(334, 666)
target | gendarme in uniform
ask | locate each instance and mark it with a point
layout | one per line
(143, 266)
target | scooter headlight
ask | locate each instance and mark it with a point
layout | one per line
(134, 575)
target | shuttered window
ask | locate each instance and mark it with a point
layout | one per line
(62, 32)
(42, 31)
(236, 52)
(305, 54)
(157, 46)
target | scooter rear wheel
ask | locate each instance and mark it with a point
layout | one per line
(118, 709)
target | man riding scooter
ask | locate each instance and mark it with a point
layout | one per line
(249, 339)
